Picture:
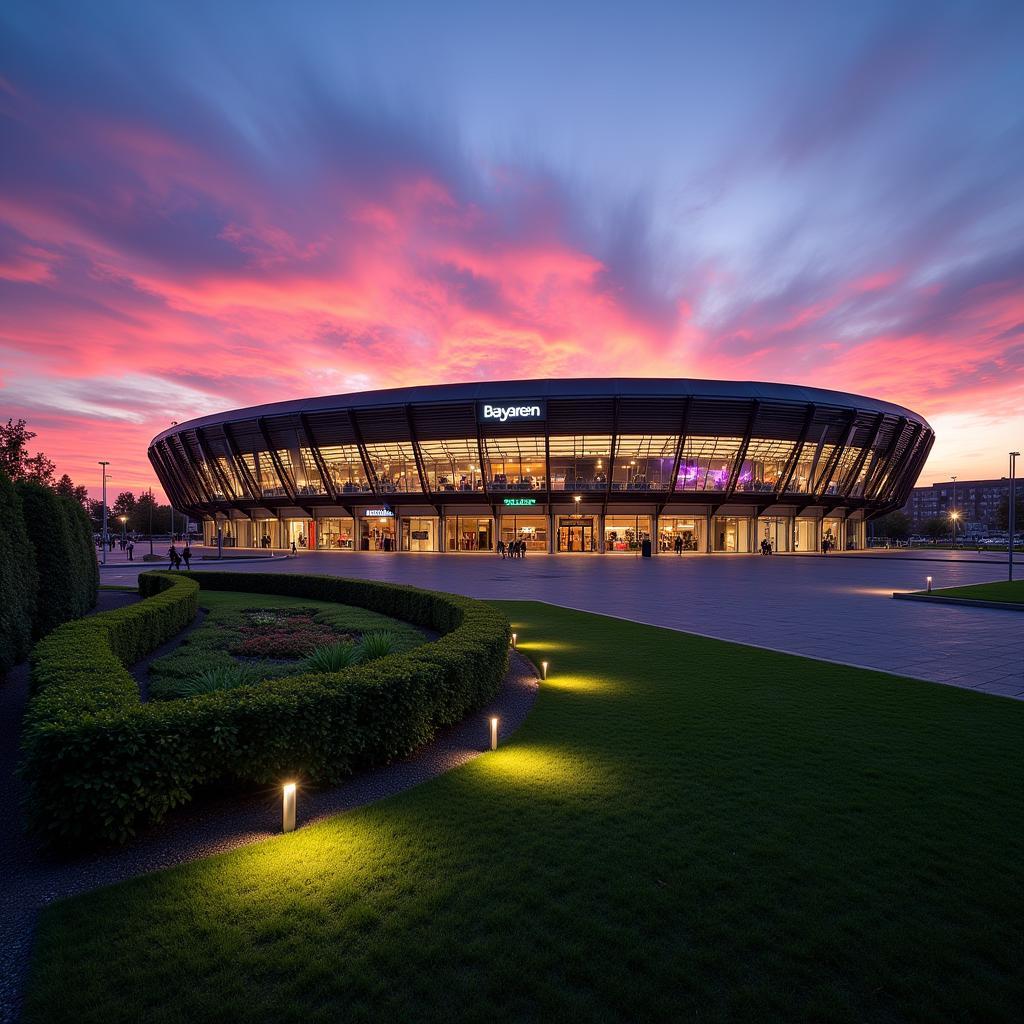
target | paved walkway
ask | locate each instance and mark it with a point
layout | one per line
(838, 608)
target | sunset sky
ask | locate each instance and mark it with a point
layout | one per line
(210, 205)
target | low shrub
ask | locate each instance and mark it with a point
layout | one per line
(99, 764)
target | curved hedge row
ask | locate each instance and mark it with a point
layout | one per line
(99, 763)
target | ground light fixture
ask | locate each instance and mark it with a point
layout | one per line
(543, 670)
(928, 580)
(288, 808)
(514, 637)
(494, 732)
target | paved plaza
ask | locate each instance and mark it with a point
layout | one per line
(838, 608)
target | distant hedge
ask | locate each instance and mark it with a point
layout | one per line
(99, 764)
(18, 579)
(59, 530)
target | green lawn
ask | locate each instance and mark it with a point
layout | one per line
(683, 829)
(1011, 593)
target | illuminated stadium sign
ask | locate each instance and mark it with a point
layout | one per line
(502, 412)
(519, 502)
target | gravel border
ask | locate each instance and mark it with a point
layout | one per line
(212, 824)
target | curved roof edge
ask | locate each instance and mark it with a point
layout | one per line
(570, 387)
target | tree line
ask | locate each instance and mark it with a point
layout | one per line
(143, 514)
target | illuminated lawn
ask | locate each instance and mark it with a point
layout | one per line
(684, 829)
(1005, 592)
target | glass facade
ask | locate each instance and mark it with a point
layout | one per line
(533, 530)
(576, 534)
(644, 462)
(707, 463)
(454, 465)
(335, 534)
(394, 467)
(345, 468)
(377, 533)
(731, 533)
(776, 531)
(515, 464)
(681, 533)
(805, 534)
(451, 466)
(419, 533)
(469, 533)
(626, 533)
(580, 463)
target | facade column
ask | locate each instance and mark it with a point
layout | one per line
(552, 522)
(708, 525)
(600, 533)
(441, 534)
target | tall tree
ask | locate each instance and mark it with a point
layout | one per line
(895, 526)
(66, 488)
(15, 460)
(125, 505)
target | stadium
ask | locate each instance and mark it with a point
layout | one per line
(581, 466)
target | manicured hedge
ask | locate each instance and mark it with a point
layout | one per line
(18, 579)
(99, 764)
(59, 531)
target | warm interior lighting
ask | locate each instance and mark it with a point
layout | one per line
(288, 808)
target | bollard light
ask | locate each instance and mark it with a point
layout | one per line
(543, 670)
(928, 580)
(513, 641)
(494, 733)
(288, 808)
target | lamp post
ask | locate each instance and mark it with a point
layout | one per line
(151, 522)
(1012, 508)
(103, 530)
(953, 513)
(124, 522)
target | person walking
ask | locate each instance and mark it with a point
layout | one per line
(173, 557)
(501, 547)
(187, 555)
(294, 552)
(131, 551)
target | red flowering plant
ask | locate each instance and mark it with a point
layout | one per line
(282, 633)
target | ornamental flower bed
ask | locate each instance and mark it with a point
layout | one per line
(284, 633)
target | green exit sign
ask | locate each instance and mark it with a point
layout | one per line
(519, 502)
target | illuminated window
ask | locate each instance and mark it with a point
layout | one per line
(515, 463)
(707, 463)
(580, 463)
(345, 466)
(394, 466)
(764, 464)
(451, 465)
(644, 462)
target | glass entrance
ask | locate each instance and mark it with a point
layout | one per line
(576, 533)
(377, 534)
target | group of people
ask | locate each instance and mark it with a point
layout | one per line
(514, 548)
(766, 547)
(176, 557)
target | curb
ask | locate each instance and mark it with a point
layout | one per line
(965, 601)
